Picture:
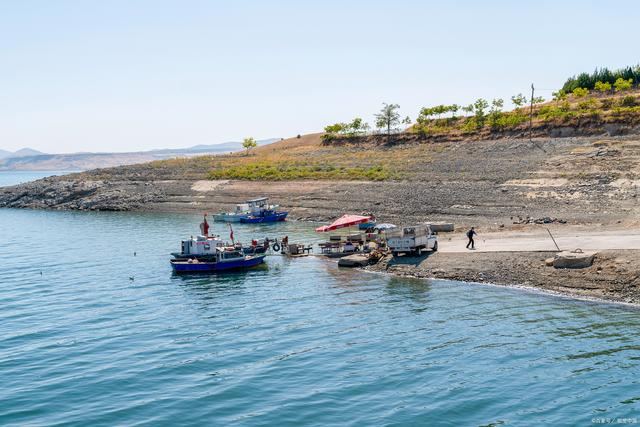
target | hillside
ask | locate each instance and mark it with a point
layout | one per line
(581, 167)
(27, 159)
(580, 180)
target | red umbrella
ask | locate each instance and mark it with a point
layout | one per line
(344, 221)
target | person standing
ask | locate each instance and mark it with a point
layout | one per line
(470, 235)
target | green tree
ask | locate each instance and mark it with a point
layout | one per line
(355, 127)
(622, 84)
(334, 129)
(388, 118)
(365, 128)
(406, 121)
(249, 143)
(479, 107)
(495, 112)
(453, 108)
(559, 95)
(468, 109)
(602, 87)
(519, 100)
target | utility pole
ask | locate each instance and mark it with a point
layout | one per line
(531, 113)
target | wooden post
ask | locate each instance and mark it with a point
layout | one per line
(554, 240)
(531, 113)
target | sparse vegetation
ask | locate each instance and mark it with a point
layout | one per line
(287, 170)
(483, 117)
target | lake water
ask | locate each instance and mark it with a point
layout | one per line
(92, 335)
(17, 177)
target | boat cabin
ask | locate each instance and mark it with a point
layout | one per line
(258, 205)
(201, 245)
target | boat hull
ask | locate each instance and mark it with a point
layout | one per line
(229, 217)
(213, 267)
(275, 217)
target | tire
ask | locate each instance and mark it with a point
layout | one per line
(435, 247)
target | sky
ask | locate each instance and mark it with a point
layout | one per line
(127, 75)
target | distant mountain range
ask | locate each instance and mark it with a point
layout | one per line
(20, 153)
(29, 159)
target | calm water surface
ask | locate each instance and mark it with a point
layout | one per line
(17, 177)
(91, 335)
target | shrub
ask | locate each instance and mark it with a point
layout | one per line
(606, 103)
(602, 87)
(511, 120)
(470, 125)
(622, 84)
(587, 104)
(580, 92)
(628, 101)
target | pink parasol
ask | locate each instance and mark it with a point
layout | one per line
(344, 221)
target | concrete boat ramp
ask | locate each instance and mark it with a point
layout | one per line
(542, 242)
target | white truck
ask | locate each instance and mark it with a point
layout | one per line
(411, 240)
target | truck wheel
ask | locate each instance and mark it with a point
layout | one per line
(435, 247)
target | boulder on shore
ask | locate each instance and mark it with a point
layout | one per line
(441, 226)
(575, 259)
(357, 260)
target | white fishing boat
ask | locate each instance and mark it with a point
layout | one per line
(242, 211)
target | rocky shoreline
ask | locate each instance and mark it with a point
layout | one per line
(482, 183)
(613, 277)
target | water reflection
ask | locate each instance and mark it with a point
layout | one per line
(414, 289)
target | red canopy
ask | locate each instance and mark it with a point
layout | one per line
(344, 221)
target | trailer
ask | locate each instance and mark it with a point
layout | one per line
(411, 240)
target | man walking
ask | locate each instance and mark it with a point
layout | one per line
(470, 235)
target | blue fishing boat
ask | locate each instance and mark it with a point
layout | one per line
(226, 259)
(253, 212)
(265, 216)
(260, 211)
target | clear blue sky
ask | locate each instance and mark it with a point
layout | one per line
(129, 75)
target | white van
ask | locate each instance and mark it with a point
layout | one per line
(412, 240)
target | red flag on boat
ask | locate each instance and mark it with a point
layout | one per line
(345, 221)
(231, 233)
(205, 225)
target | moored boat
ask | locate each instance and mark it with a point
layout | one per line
(226, 259)
(253, 212)
(265, 216)
(242, 210)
